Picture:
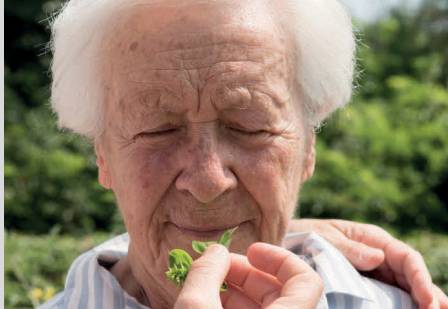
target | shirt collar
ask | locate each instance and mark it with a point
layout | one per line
(90, 284)
(338, 275)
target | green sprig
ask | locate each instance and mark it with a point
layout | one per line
(180, 261)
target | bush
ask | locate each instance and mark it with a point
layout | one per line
(384, 159)
(50, 176)
(35, 266)
(375, 166)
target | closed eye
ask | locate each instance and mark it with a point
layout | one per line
(158, 133)
(248, 132)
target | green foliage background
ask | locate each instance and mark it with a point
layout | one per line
(383, 159)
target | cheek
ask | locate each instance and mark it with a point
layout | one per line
(141, 177)
(274, 171)
(272, 177)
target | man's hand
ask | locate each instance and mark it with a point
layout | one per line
(374, 251)
(269, 277)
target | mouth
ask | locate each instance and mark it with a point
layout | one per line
(204, 233)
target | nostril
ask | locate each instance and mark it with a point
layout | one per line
(206, 184)
(231, 178)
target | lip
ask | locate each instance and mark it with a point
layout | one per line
(205, 232)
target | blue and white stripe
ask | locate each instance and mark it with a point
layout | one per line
(90, 285)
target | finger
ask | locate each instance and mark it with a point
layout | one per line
(404, 260)
(407, 267)
(442, 297)
(401, 258)
(233, 298)
(403, 283)
(368, 234)
(384, 274)
(302, 287)
(277, 261)
(363, 257)
(253, 282)
(204, 279)
(435, 304)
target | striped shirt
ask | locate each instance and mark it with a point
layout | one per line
(90, 285)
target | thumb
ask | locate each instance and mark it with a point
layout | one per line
(204, 279)
(363, 257)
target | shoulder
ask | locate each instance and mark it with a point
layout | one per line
(87, 280)
(344, 287)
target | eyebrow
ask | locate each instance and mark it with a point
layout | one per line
(161, 99)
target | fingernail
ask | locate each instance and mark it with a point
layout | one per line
(216, 249)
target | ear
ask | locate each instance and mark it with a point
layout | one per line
(104, 177)
(310, 158)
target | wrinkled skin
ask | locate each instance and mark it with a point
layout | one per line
(204, 128)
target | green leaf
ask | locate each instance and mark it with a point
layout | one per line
(224, 287)
(226, 237)
(180, 261)
(201, 246)
(179, 257)
(179, 264)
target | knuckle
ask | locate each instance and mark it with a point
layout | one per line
(338, 221)
(374, 229)
(339, 224)
(314, 278)
(415, 255)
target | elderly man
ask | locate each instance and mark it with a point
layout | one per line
(202, 115)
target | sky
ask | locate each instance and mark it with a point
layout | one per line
(368, 10)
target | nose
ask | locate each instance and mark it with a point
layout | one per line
(205, 174)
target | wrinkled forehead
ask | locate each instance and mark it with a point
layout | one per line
(196, 35)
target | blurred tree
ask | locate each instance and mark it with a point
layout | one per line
(384, 158)
(433, 18)
(385, 163)
(50, 176)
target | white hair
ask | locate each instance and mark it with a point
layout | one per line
(323, 38)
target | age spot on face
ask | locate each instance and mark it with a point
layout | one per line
(133, 47)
